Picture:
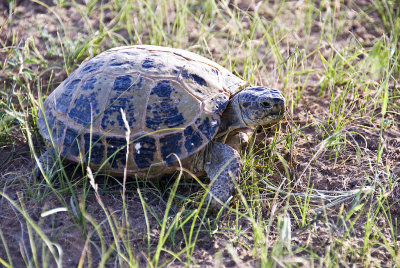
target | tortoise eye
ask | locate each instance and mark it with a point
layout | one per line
(246, 104)
(266, 104)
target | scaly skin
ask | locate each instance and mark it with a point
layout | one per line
(223, 166)
(248, 109)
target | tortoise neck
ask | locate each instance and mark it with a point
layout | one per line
(231, 118)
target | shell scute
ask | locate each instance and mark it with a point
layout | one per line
(131, 100)
(158, 64)
(144, 151)
(208, 126)
(122, 103)
(92, 65)
(116, 151)
(123, 62)
(89, 84)
(89, 99)
(51, 122)
(171, 144)
(195, 77)
(63, 101)
(193, 139)
(168, 106)
(216, 104)
(122, 83)
(71, 142)
(148, 63)
(94, 148)
(163, 89)
(201, 79)
(82, 110)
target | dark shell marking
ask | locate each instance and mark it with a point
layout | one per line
(82, 111)
(91, 66)
(145, 150)
(195, 77)
(123, 96)
(71, 143)
(116, 151)
(171, 144)
(63, 102)
(172, 100)
(94, 149)
(164, 112)
(208, 126)
(193, 139)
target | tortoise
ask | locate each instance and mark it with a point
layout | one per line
(179, 106)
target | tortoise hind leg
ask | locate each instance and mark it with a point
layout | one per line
(223, 165)
(48, 161)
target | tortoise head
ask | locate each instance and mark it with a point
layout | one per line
(260, 106)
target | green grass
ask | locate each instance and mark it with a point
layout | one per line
(336, 63)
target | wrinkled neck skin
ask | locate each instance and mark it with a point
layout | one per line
(231, 119)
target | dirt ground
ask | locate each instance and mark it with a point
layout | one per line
(343, 172)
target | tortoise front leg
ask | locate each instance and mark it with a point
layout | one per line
(223, 166)
(239, 138)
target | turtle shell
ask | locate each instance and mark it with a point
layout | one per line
(173, 101)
